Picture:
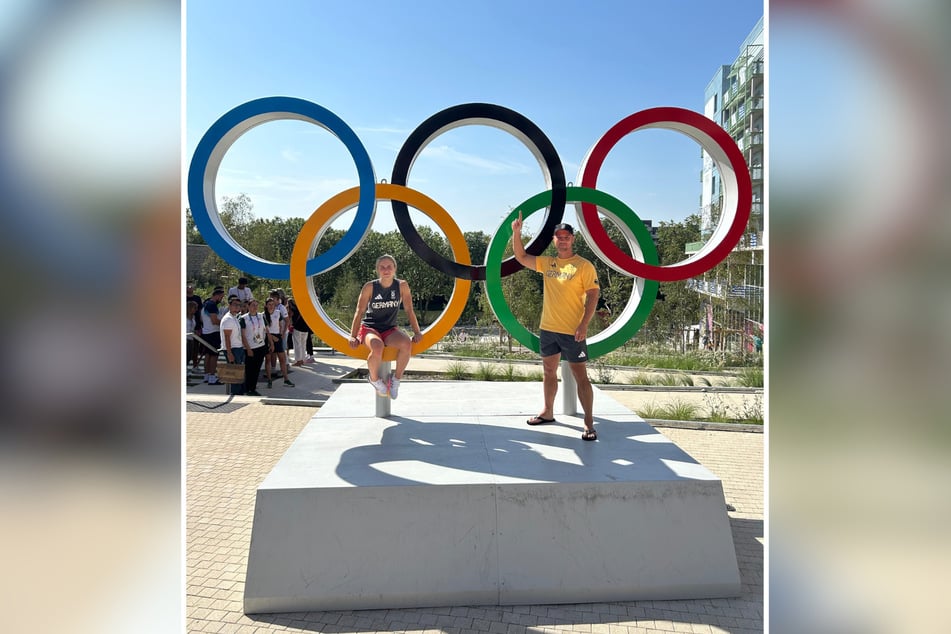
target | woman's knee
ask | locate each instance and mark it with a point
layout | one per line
(376, 346)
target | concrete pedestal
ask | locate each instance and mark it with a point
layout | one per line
(454, 500)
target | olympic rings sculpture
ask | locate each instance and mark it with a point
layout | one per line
(306, 262)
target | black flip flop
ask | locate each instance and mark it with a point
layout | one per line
(538, 420)
(589, 434)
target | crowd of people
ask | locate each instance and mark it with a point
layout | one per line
(253, 337)
(247, 333)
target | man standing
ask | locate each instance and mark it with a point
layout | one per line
(571, 293)
(242, 290)
(210, 332)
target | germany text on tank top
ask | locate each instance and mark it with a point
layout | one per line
(383, 307)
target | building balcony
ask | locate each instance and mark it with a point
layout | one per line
(716, 288)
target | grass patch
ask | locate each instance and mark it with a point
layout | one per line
(717, 410)
(752, 411)
(509, 373)
(457, 370)
(751, 377)
(675, 410)
(641, 357)
(650, 410)
(681, 410)
(714, 411)
(667, 379)
(487, 372)
(641, 378)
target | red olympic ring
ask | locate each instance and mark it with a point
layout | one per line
(737, 192)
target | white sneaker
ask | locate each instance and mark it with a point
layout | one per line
(394, 387)
(379, 386)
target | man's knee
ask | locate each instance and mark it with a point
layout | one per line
(580, 372)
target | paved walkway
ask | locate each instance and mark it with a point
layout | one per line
(232, 445)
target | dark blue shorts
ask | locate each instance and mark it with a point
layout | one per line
(213, 339)
(558, 343)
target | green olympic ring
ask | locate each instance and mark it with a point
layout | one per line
(643, 294)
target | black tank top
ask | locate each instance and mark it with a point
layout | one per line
(383, 307)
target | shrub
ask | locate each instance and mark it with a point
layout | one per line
(457, 370)
(487, 372)
(641, 378)
(751, 377)
(509, 373)
(668, 379)
(681, 410)
(650, 410)
(603, 373)
(717, 410)
(752, 412)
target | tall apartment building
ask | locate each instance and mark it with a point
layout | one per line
(734, 99)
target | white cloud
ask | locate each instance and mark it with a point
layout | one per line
(450, 155)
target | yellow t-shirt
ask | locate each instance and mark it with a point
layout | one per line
(566, 282)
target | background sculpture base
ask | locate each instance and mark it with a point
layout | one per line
(454, 500)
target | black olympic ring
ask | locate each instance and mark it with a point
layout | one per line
(500, 117)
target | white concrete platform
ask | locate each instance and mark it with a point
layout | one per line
(454, 500)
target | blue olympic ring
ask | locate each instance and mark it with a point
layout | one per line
(207, 159)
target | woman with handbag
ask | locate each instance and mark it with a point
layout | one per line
(231, 340)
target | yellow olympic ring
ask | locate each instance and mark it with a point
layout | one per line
(313, 312)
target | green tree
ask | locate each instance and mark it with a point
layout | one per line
(237, 214)
(523, 292)
(192, 235)
(478, 242)
(431, 288)
(680, 307)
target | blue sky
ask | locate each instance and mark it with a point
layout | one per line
(573, 68)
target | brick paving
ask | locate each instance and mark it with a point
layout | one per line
(230, 450)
